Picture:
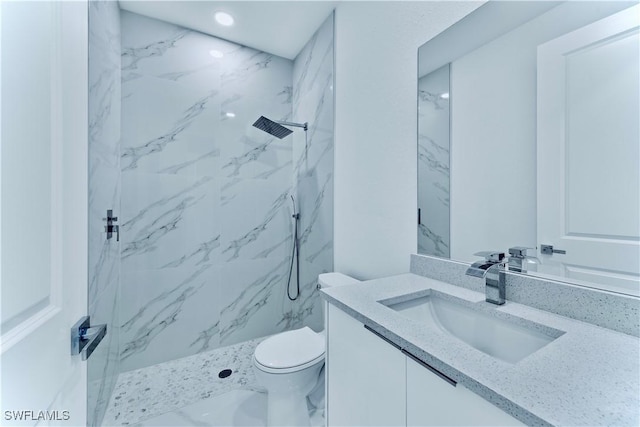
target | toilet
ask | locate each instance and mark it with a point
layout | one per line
(288, 365)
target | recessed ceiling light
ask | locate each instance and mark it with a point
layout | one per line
(445, 95)
(223, 18)
(230, 114)
(216, 53)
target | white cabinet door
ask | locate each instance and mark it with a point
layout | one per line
(432, 401)
(589, 153)
(43, 210)
(365, 375)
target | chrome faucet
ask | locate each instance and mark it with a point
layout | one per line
(519, 260)
(492, 269)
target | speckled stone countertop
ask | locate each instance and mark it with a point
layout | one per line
(587, 376)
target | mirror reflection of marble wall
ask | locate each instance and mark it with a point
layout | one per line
(433, 162)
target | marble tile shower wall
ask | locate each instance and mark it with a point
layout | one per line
(206, 213)
(313, 169)
(104, 193)
(434, 163)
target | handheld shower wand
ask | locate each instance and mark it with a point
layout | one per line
(294, 254)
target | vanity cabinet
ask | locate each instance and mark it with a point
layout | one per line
(372, 382)
(365, 375)
(432, 401)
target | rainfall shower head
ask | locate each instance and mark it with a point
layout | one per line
(275, 128)
(271, 127)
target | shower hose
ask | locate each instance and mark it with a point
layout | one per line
(294, 255)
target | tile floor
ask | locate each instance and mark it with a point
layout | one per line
(235, 408)
(188, 392)
(238, 408)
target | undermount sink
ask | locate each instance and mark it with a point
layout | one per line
(494, 336)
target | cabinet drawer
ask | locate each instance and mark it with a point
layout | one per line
(432, 401)
(365, 375)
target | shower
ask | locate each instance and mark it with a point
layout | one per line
(278, 129)
(206, 203)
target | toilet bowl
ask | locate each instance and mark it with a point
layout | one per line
(289, 364)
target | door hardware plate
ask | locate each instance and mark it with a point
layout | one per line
(549, 250)
(85, 338)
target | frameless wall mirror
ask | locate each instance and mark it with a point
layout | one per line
(528, 135)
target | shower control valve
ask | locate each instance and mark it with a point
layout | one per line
(111, 228)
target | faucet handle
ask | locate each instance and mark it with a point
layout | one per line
(519, 251)
(492, 256)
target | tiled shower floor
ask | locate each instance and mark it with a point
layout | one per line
(188, 392)
(235, 408)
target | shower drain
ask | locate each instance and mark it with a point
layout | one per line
(224, 373)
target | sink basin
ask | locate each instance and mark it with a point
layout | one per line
(497, 337)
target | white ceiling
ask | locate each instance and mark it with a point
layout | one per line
(278, 27)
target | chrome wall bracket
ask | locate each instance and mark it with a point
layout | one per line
(85, 338)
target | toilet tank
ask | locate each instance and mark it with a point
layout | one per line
(327, 280)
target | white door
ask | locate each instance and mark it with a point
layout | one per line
(588, 153)
(43, 210)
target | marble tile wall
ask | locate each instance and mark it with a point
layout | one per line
(313, 170)
(206, 210)
(434, 163)
(104, 193)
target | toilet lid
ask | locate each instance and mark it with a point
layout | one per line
(289, 349)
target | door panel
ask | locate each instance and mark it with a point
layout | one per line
(26, 167)
(602, 139)
(43, 199)
(589, 153)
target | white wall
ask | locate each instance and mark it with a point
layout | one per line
(375, 130)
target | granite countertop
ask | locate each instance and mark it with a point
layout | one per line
(587, 376)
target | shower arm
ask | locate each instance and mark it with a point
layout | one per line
(304, 125)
